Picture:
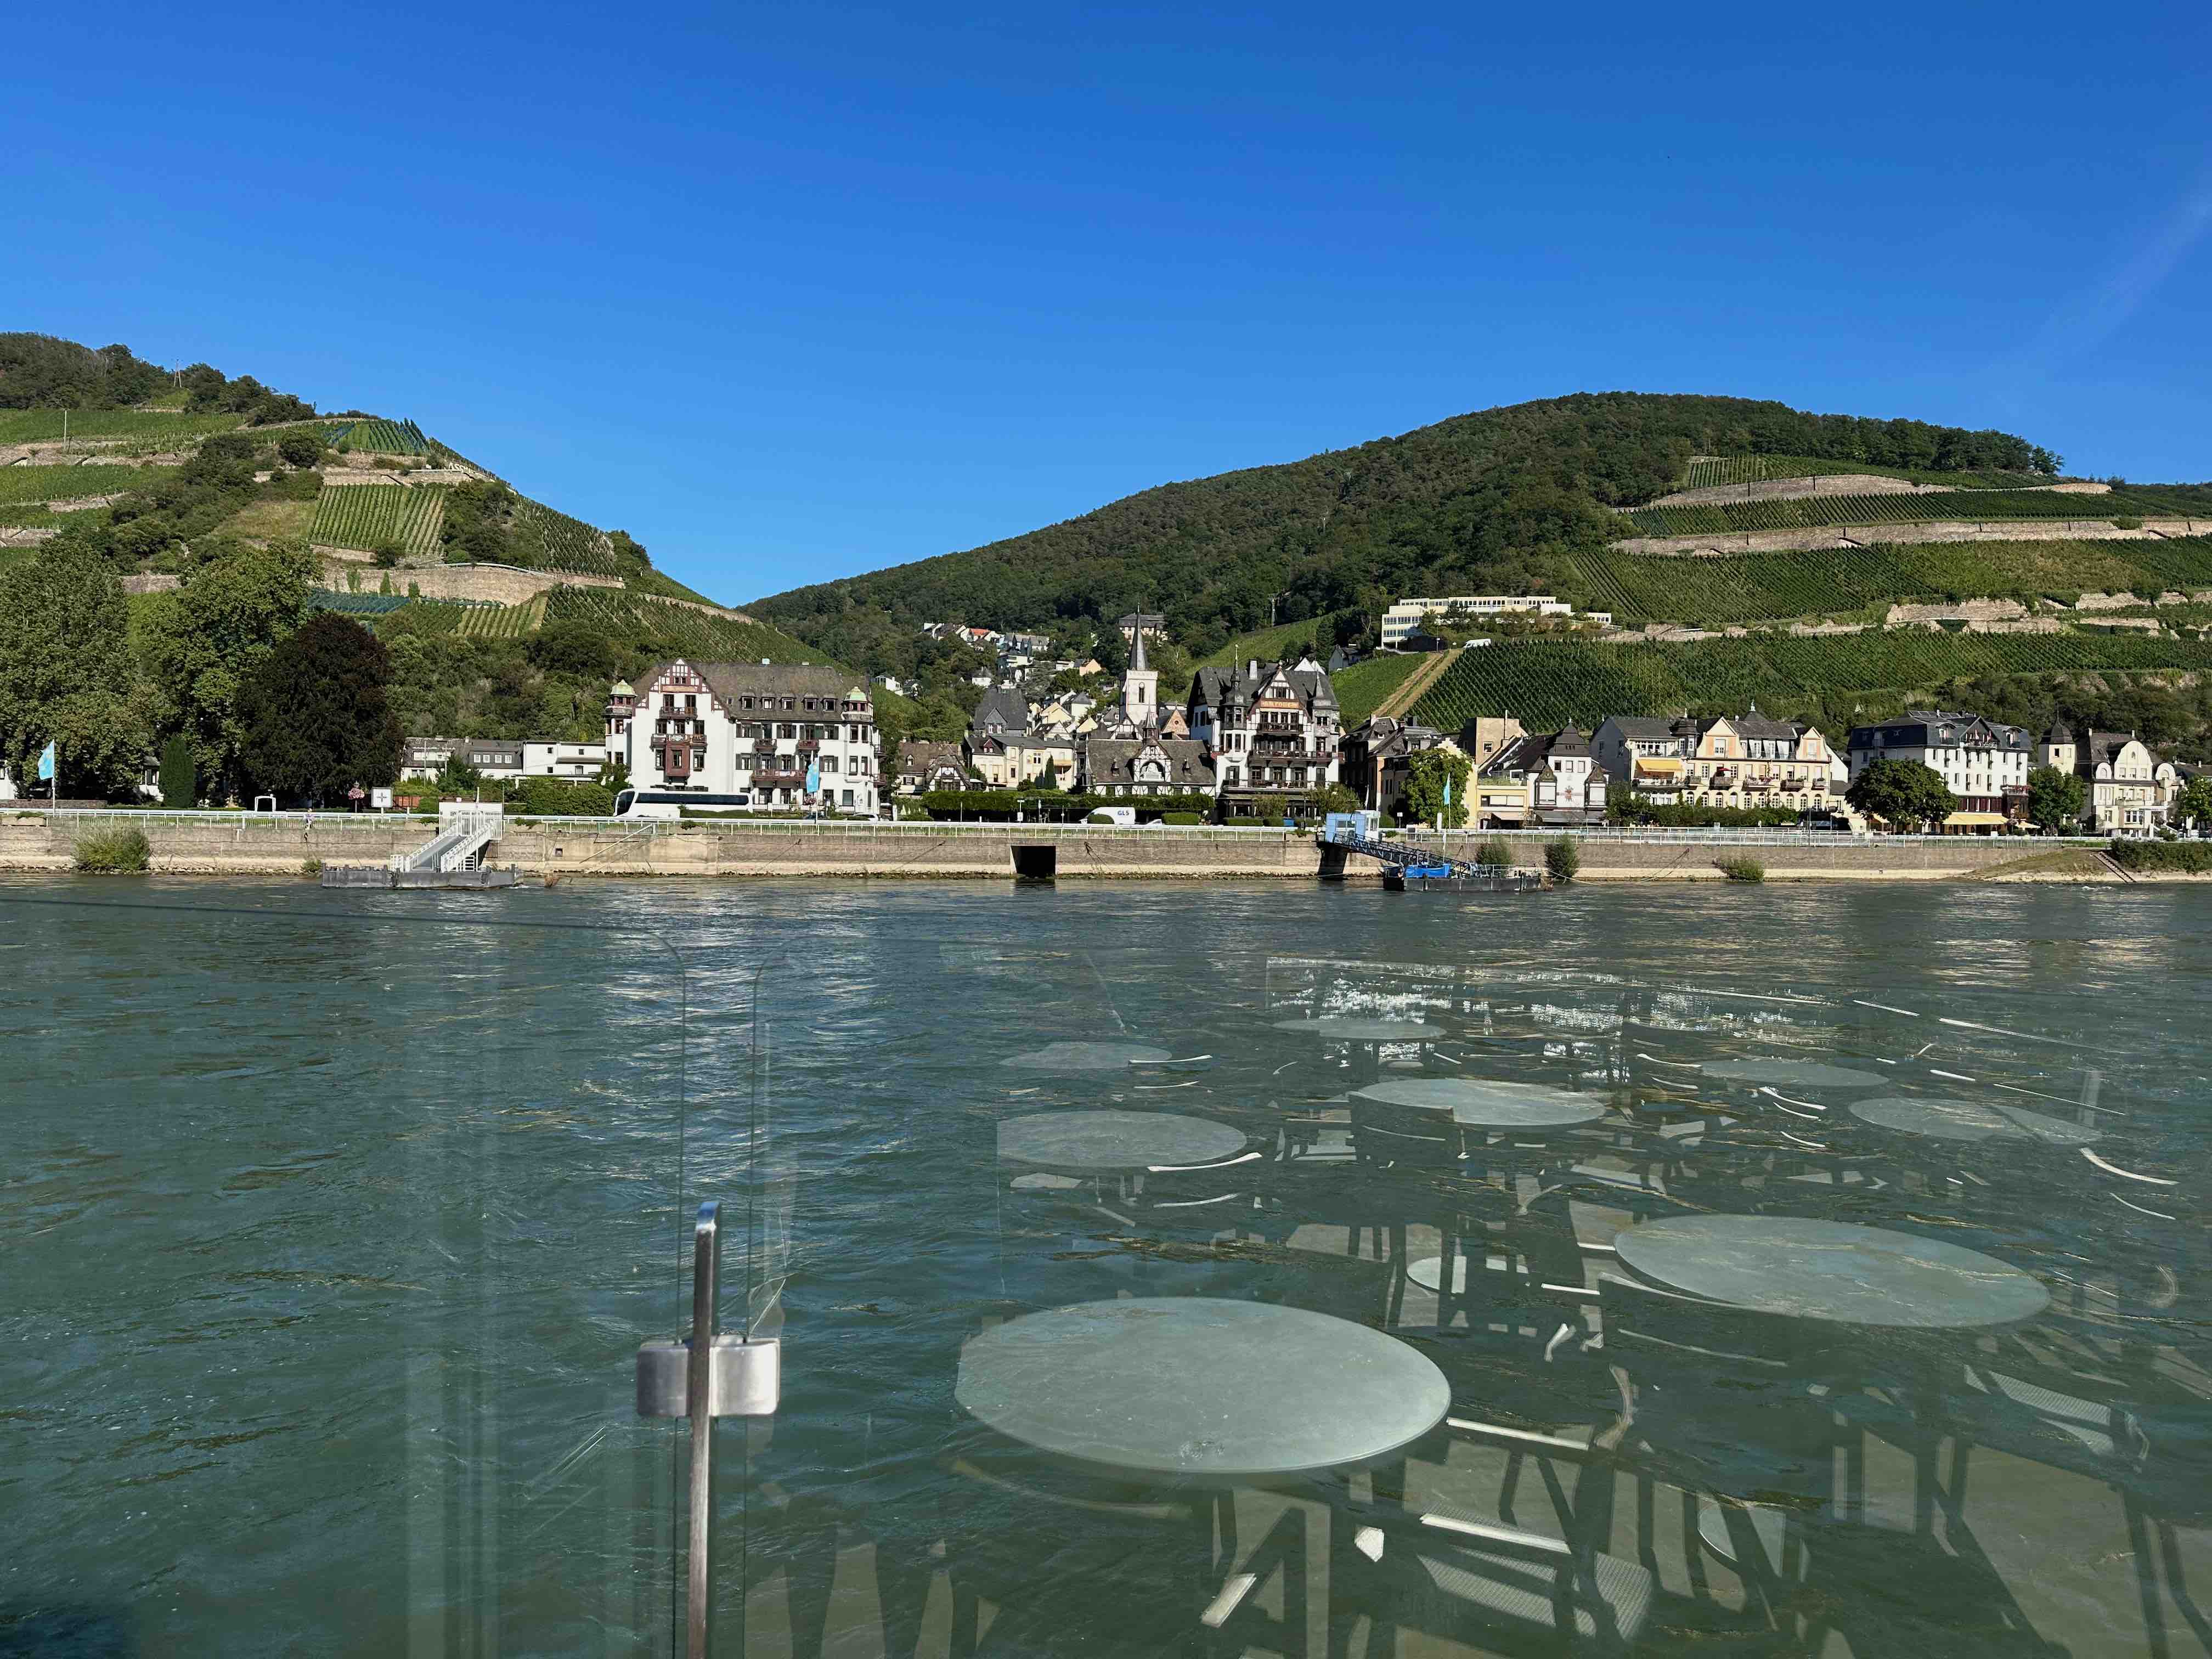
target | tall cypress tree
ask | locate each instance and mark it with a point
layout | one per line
(318, 712)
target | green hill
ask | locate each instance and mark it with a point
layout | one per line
(1497, 501)
(169, 476)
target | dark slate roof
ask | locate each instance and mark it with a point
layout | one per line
(1212, 688)
(919, 757)
(1003, 707)
(1923, 728)
(1753, 723)
(1535, 750)
(2103, 746)
(728, 680)
(1645, 728)
(1114, 760)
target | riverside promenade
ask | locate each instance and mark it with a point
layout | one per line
(285, 843)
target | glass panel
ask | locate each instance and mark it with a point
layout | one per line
(1132, 1245)
(333, 1221)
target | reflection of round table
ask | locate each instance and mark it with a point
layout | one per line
(1830, 1270)
(1476, 1104)
(1341, 1029)
(1087, 1057)
(1966, 1119)
(1793, 1074)
(1114, 1142)
(1191, 1388)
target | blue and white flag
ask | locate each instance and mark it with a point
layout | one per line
(813, 778)
(46, 763)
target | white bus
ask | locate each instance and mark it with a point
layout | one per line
(671, 803)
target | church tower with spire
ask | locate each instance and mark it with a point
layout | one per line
(1141, 686)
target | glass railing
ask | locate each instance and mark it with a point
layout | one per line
(1237, 1270)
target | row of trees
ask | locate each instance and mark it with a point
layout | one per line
(40, 371)
(237, 683)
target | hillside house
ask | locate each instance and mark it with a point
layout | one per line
(746, 729)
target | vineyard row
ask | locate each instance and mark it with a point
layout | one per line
(1548, 685)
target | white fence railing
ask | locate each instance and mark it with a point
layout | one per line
(1438, 839)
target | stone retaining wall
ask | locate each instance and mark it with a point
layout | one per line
(1933, 530)
(247, 845)
(505, 584)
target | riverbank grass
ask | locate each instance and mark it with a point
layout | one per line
(122, 850)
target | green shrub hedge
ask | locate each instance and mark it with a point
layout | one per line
(2186, 857)
(121, 850)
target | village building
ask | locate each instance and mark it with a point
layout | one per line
(1983, 762)
(1375, 756)
(2127, 789)
(1131, 755)
(1547, 778)
(758, 730)
(1734, 762)
(1270, 730)
(924, 765)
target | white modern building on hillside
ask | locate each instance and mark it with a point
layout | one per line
(1404, 618)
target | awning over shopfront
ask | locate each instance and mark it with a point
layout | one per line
(1658, 766)
(1974, 820)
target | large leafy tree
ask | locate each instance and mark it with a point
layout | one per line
(317, 712)
(1903, 794)
(1427, 774)
(2054, 798)
(203, 643)
(66, 676)
(2193, 805)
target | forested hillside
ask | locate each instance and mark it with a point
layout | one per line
(1501, 500)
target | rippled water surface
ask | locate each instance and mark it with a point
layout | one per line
(330, 1225)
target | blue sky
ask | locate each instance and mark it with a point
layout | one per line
(791, 293)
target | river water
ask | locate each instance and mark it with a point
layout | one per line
(330, 1223)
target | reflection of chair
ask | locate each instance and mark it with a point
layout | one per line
(1410, 1171)
(1437, 1568)
(1073, 1564)
(1721, 1401)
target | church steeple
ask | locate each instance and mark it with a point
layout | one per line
(1141, 686)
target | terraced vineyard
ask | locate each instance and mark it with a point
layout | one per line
(502, 622)
(1711, 471)
(1746, 587)
(1550, 684)
(358, 605)
(29, 516)
(1364, 687)
(1817, 512)
(546, 540)
(21, 484)
(27, 426)
(388, 438)
(365, 515)
(657, 625)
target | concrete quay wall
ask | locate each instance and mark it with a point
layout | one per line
(233, 844)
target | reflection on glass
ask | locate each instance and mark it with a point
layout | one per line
(1242, 1272)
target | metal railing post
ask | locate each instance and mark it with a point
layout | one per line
(698, 1385)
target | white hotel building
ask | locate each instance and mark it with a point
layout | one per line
(727, 728)
(1404, 617)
